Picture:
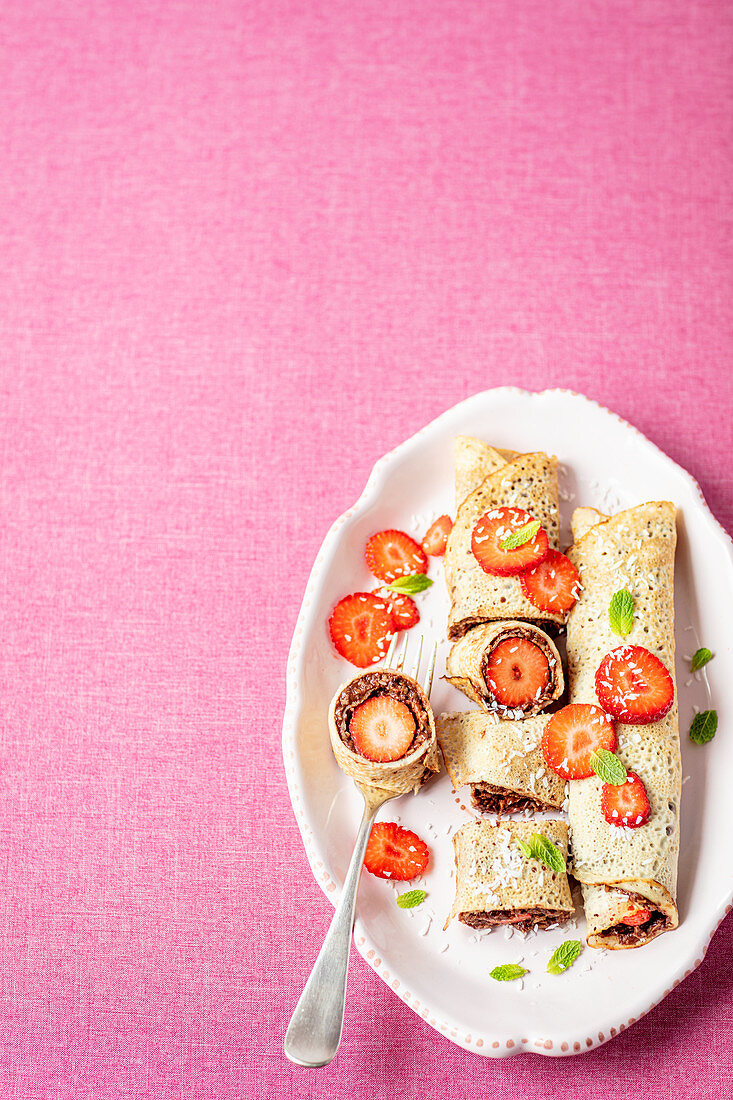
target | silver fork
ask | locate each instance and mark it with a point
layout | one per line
(315, 1028)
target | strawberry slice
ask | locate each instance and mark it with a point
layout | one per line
(436, 536)
(404, 610)
(492, 529)
(633, 685)
(394, 852)
(626, 804)
(553, 585)
(571, 737)
(517, 672)
(382, 728)
(361, 628)
(640, 916)
(392, 554)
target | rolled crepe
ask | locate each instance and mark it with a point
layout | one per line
(468, 658)
(524, 481)
(496, 884)
(625, 870)
(422, 758)
(501, 761)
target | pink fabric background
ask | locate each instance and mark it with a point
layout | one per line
(247, 247)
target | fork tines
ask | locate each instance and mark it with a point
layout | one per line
(396, 661)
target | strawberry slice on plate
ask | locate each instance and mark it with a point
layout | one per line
(626, 804)
(633, 685)
(404, 610)
(491, 532)
(571, 737)
(361, 627)
(553, 585)
(435, 538)
(394, 852)
(382, 728)
(516, 672)
(392, 554)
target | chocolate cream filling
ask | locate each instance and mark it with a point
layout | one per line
(381, 683)
(533, 706)
(522, 919)
(488, 799)
(633, 934)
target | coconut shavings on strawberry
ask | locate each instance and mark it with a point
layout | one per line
(553, 585)
(392, 554)
(394, 852)
(633, 685)
(436, 536)
(361, 628)
(626, 805)
(499, 527)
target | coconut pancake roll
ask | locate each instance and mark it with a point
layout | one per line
(497, 884)
(488, 479)
(501, 761)
(421, 758)
(491, 665)
(628, 874)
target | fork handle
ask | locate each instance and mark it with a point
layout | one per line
(314, 1032)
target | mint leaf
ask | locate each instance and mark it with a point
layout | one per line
(608, 767)
(509, 972)
(564, 956)
(700, 658)
(621, 612)
(416, 582)
(520, 536)
(524, 848)
(544, 850)
(411, 898)
(704, 726)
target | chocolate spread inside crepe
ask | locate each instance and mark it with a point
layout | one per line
(421, 760)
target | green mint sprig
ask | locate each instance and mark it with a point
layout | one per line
(700, 658)
(416, 582)
(621, 612)
(544, 850)
(704, 726)
(411, 898)
(563, 957)
(608, 767)
(509, 972)
(520, 536)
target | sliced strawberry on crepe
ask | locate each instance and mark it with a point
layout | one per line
(361, 628)
(638, 916)
(633, 685)
(517, 672)
(404, 610)
(392, 554)
(571, 737)
(394, 852)
(626, 804)
(436, 536)
(491, 533)
(553, 585)
(382, 728)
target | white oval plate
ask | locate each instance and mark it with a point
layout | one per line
(607, 464)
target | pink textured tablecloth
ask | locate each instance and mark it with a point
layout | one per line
(247, 247)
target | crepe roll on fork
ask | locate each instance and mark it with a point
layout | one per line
(497, 884)
(502, 762)
(383, 731)
(625, 837)
(511, 669)
(503, 491)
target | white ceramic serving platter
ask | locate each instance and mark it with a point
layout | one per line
(443, 975)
